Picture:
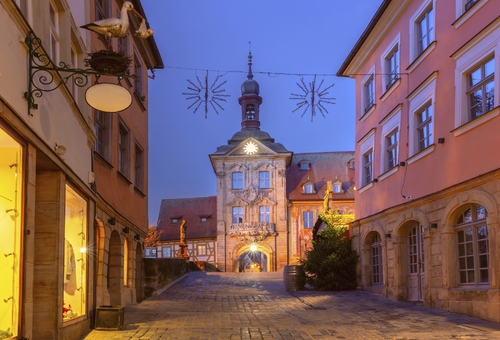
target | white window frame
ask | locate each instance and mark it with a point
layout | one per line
(308, 219)
(237, 213)
(337, 187)
(264, 179)
(265, 213)
(462, 15)
(420, 15)
(394, 47)
(472, 225)
(424, 95)
(55, 39)
(365, 145)
(391, 123)
(366, 107)
(482, 47)
(237, 183)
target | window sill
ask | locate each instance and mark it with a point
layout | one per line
(476, 122)
(125, 178)
(388, 173)
(365, 187)
(421, 154)
(418, 59)
(466, 15)
(102, 160)
(390, 90)
(139, 191)
(367, 113)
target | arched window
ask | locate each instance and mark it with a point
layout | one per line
(472, 246)
(376, 259)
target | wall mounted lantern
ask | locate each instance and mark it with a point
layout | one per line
(44, 76)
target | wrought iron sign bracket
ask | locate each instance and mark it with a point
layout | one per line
(44, 76)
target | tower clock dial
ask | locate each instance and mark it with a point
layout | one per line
(250, 148)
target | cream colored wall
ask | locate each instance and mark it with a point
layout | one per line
(56, 120)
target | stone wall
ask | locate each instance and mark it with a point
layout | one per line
(160, 272)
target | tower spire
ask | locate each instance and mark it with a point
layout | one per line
(250, 74)
(250, 100)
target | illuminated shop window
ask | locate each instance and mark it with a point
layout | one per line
(75, 256)
(11, 179)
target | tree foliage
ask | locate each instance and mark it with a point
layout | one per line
(331, 263)
(153, 237)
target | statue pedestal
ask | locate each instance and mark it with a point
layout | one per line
(183, 251)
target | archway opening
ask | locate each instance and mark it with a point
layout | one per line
(252, 261)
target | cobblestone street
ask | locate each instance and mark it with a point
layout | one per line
(256, 306)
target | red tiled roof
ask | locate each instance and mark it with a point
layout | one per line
(324, 166)
(192, 210)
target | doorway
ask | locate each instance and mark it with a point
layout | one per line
(416, 267)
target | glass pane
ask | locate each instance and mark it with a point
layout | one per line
(490, 89)
(470, 276)
(468, 216)
(483, 261)
(483, 276)
(460, 237)
(75, 256)
(468, 235)
(482, 232)
(461, 263)
(475, 77)
(470, 262)
(469, 249)
(480, 212)
(489, 68)
(463, 277)
(461, 250)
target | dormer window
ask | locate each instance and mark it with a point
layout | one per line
(204, 218)
(174, 220)
(308, 187)
(337, 188)
(304, 165)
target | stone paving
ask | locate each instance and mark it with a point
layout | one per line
(256, 306)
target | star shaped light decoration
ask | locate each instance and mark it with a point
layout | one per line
(250, 148)
(203, 93)
(313, 97)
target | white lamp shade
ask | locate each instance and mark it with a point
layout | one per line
(108, 97)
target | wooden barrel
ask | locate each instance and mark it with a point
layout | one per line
(294, 278)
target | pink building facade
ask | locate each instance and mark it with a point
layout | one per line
(427, 119)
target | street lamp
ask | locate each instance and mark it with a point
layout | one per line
(106, 97)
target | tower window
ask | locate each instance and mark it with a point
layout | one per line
(250, 112)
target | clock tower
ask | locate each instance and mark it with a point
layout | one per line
(252, 233)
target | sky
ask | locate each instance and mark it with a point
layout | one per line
(293, 42)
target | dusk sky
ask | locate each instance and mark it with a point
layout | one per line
(290, 40)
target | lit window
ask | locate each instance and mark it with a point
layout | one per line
(308, 219)
(264, 179)
(481, 88)
(265, 214)
(376, 260)
(123, 150)
(473, 246)
(75, 256)
(237, 178)
(202, 249)
(237, 215)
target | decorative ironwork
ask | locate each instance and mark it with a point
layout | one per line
(252, 232)
(206, 94)
(313, 97)
(44, 76)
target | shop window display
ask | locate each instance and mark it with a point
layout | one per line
(75, 256)
(11, 184)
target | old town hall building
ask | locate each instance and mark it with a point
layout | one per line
(267, 200)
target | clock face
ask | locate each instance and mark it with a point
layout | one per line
(250, 148)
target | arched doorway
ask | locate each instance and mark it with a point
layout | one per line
(252, 258)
